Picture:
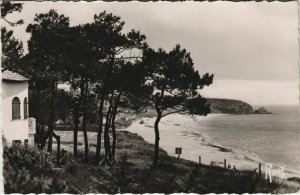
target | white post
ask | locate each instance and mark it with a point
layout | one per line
(268, 171)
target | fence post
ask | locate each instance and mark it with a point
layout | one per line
(259, 168)
(225, 163)
(199, 160)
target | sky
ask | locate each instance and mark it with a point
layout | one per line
(251, 47)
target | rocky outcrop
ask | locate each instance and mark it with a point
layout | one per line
(229, 106)
(262, 110)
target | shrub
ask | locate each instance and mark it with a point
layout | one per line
(21, 181)
(294, 179)
(72, 167)
(30, 158)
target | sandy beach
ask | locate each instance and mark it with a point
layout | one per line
(176, 132)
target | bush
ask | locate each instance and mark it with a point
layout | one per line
(30, 158)
(72, 167)
(21, 181)
(26, 170)
(294, 179)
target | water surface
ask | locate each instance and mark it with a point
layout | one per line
(275, 138)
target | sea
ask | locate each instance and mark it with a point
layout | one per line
(275, 138)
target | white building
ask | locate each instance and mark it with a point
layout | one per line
(16, 125)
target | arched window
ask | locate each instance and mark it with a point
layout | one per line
(25, 108)
(16, 108)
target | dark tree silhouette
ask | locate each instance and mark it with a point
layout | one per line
(175, 85)
(82, 67)
(110, 42)
(12, 49)
(47, 55)
(127, 78)
(7, 8)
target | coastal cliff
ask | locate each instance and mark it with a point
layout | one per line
(229, 106)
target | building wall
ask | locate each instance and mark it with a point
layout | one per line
(17, 129)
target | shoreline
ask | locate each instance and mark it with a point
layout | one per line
(175, 132)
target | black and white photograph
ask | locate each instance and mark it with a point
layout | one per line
(150, 97)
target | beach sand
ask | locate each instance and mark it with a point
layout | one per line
(175, 132)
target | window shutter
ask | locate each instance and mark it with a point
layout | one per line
(25, 108)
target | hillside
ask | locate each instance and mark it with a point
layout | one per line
(29, 170)
(229, 106)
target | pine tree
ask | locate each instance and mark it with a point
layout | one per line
(12, 49)
(175, 84)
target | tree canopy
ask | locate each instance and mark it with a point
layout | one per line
(12, 49)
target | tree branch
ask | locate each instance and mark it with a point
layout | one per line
(13, 23)
(177, 111)
(120, 50)
(130, 57)
(123, 58)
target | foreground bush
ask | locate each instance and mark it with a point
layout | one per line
(28, 170)
(20, 156)
(22, 181)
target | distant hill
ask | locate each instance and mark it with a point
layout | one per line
(229, 106)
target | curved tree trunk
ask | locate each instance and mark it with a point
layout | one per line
(156, 149)
(156, 130)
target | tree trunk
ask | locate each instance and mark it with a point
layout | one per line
(114, 135)
(39, 124)
(103, 95)
(86, 144)
(75, 133)
(106, 132)
(113, 126)
(52, 116)
(100, 128)
(76, 119)
(156, 149)
(159, 116)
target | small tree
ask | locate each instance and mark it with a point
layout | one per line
(175, 85)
